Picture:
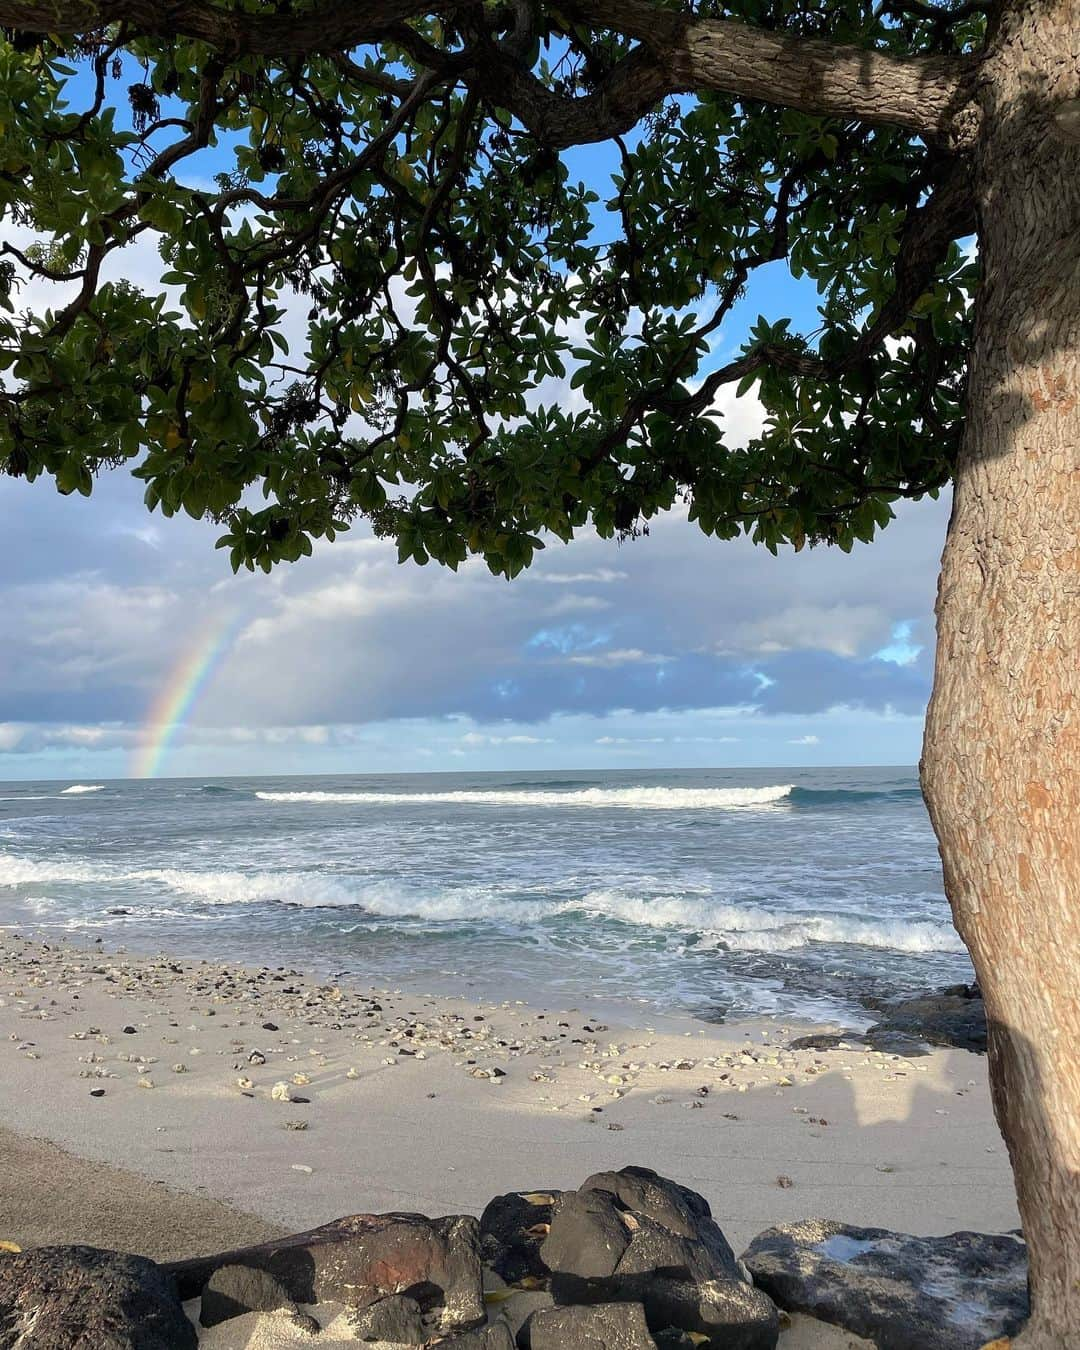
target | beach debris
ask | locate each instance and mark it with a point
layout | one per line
(281, 1092)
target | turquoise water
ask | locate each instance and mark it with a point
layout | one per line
(715, 892)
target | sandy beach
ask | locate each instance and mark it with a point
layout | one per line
(192, 1106)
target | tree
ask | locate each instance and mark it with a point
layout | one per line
(400, 172)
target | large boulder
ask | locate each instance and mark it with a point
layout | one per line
(364, 1257)
(83, 1298)
(900, 1292)
(635, 1237)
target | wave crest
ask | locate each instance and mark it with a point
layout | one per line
(77, 789)
(634, 799)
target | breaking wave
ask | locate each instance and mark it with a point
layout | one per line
(77, 789)
(634, 799)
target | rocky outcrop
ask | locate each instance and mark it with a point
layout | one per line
(629, 1261)
(363, 1258)
(635, 1237)
(900, 1292)
(950, 1018)
(954, 1017)
(82, 1298)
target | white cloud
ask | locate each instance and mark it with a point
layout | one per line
(620, 656)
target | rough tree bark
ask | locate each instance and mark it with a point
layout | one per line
(1001, 764)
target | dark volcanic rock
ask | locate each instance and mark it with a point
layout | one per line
(232, 1291)
(941, 1019)
(635, 1237)
(397, 1319)
(901, 1292)
(82, 1298)
(512, 1227)
(359, 1259)
(605, 1326)
(588, 1236)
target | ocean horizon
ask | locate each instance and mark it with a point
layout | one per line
(728, 893)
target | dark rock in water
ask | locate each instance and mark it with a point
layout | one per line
(512, 1227)
(941, 1019)
(605, 1326)
(635, 1237)
(495, 1337)
(901, 1292)
(364, 1257)
(82, 1298)
(879, 1038)
(232, 1291)
(397, 1319)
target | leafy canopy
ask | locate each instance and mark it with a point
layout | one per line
(375, 278)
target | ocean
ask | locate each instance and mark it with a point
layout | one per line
(722, 894)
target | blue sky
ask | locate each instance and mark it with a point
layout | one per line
(672, 650)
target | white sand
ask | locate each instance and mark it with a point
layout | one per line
(907, 1144)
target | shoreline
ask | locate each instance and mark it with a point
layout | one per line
(435, 1104)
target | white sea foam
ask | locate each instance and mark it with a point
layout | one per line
(697, 918)
(246, 888)
(211, 887)
(77, 789)
(741, 927)
(640, 799)
(16, 871)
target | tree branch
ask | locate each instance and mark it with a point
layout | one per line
(678, 53)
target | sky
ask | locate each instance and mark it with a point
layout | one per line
(128, 647)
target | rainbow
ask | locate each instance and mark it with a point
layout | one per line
(173, 704)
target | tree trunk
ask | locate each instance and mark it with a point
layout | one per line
(1001, 760)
